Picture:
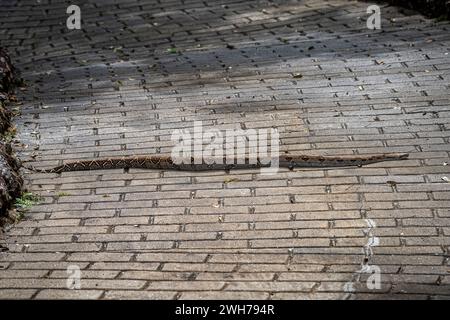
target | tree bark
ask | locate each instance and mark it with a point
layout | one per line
(10, 180)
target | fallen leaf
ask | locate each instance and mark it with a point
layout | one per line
(228, 180)
(62, 194)
(117, 84)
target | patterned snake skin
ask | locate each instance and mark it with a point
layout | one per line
(166, 162)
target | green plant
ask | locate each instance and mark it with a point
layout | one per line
(26, 200)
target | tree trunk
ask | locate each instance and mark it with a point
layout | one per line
(10, 180)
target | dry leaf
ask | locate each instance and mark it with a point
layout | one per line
(228, 180)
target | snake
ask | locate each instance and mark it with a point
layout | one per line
(290, 161)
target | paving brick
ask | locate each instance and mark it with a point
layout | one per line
(171, 257)
(73, 230)
(156, 275)
(55, 294)
(223, 295)
(139, 295)
(186, 285)
(249, 258)
(306, 296)
(17, 293)
(87, 274)
(270, 286)
(99, 257)
(138, 246)
(60, 265)
(123, 266)
(71, 247)
(54, 256)
(421, 288)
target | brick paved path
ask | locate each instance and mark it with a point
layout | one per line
(113, 88)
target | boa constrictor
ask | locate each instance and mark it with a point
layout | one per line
(166, 162)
